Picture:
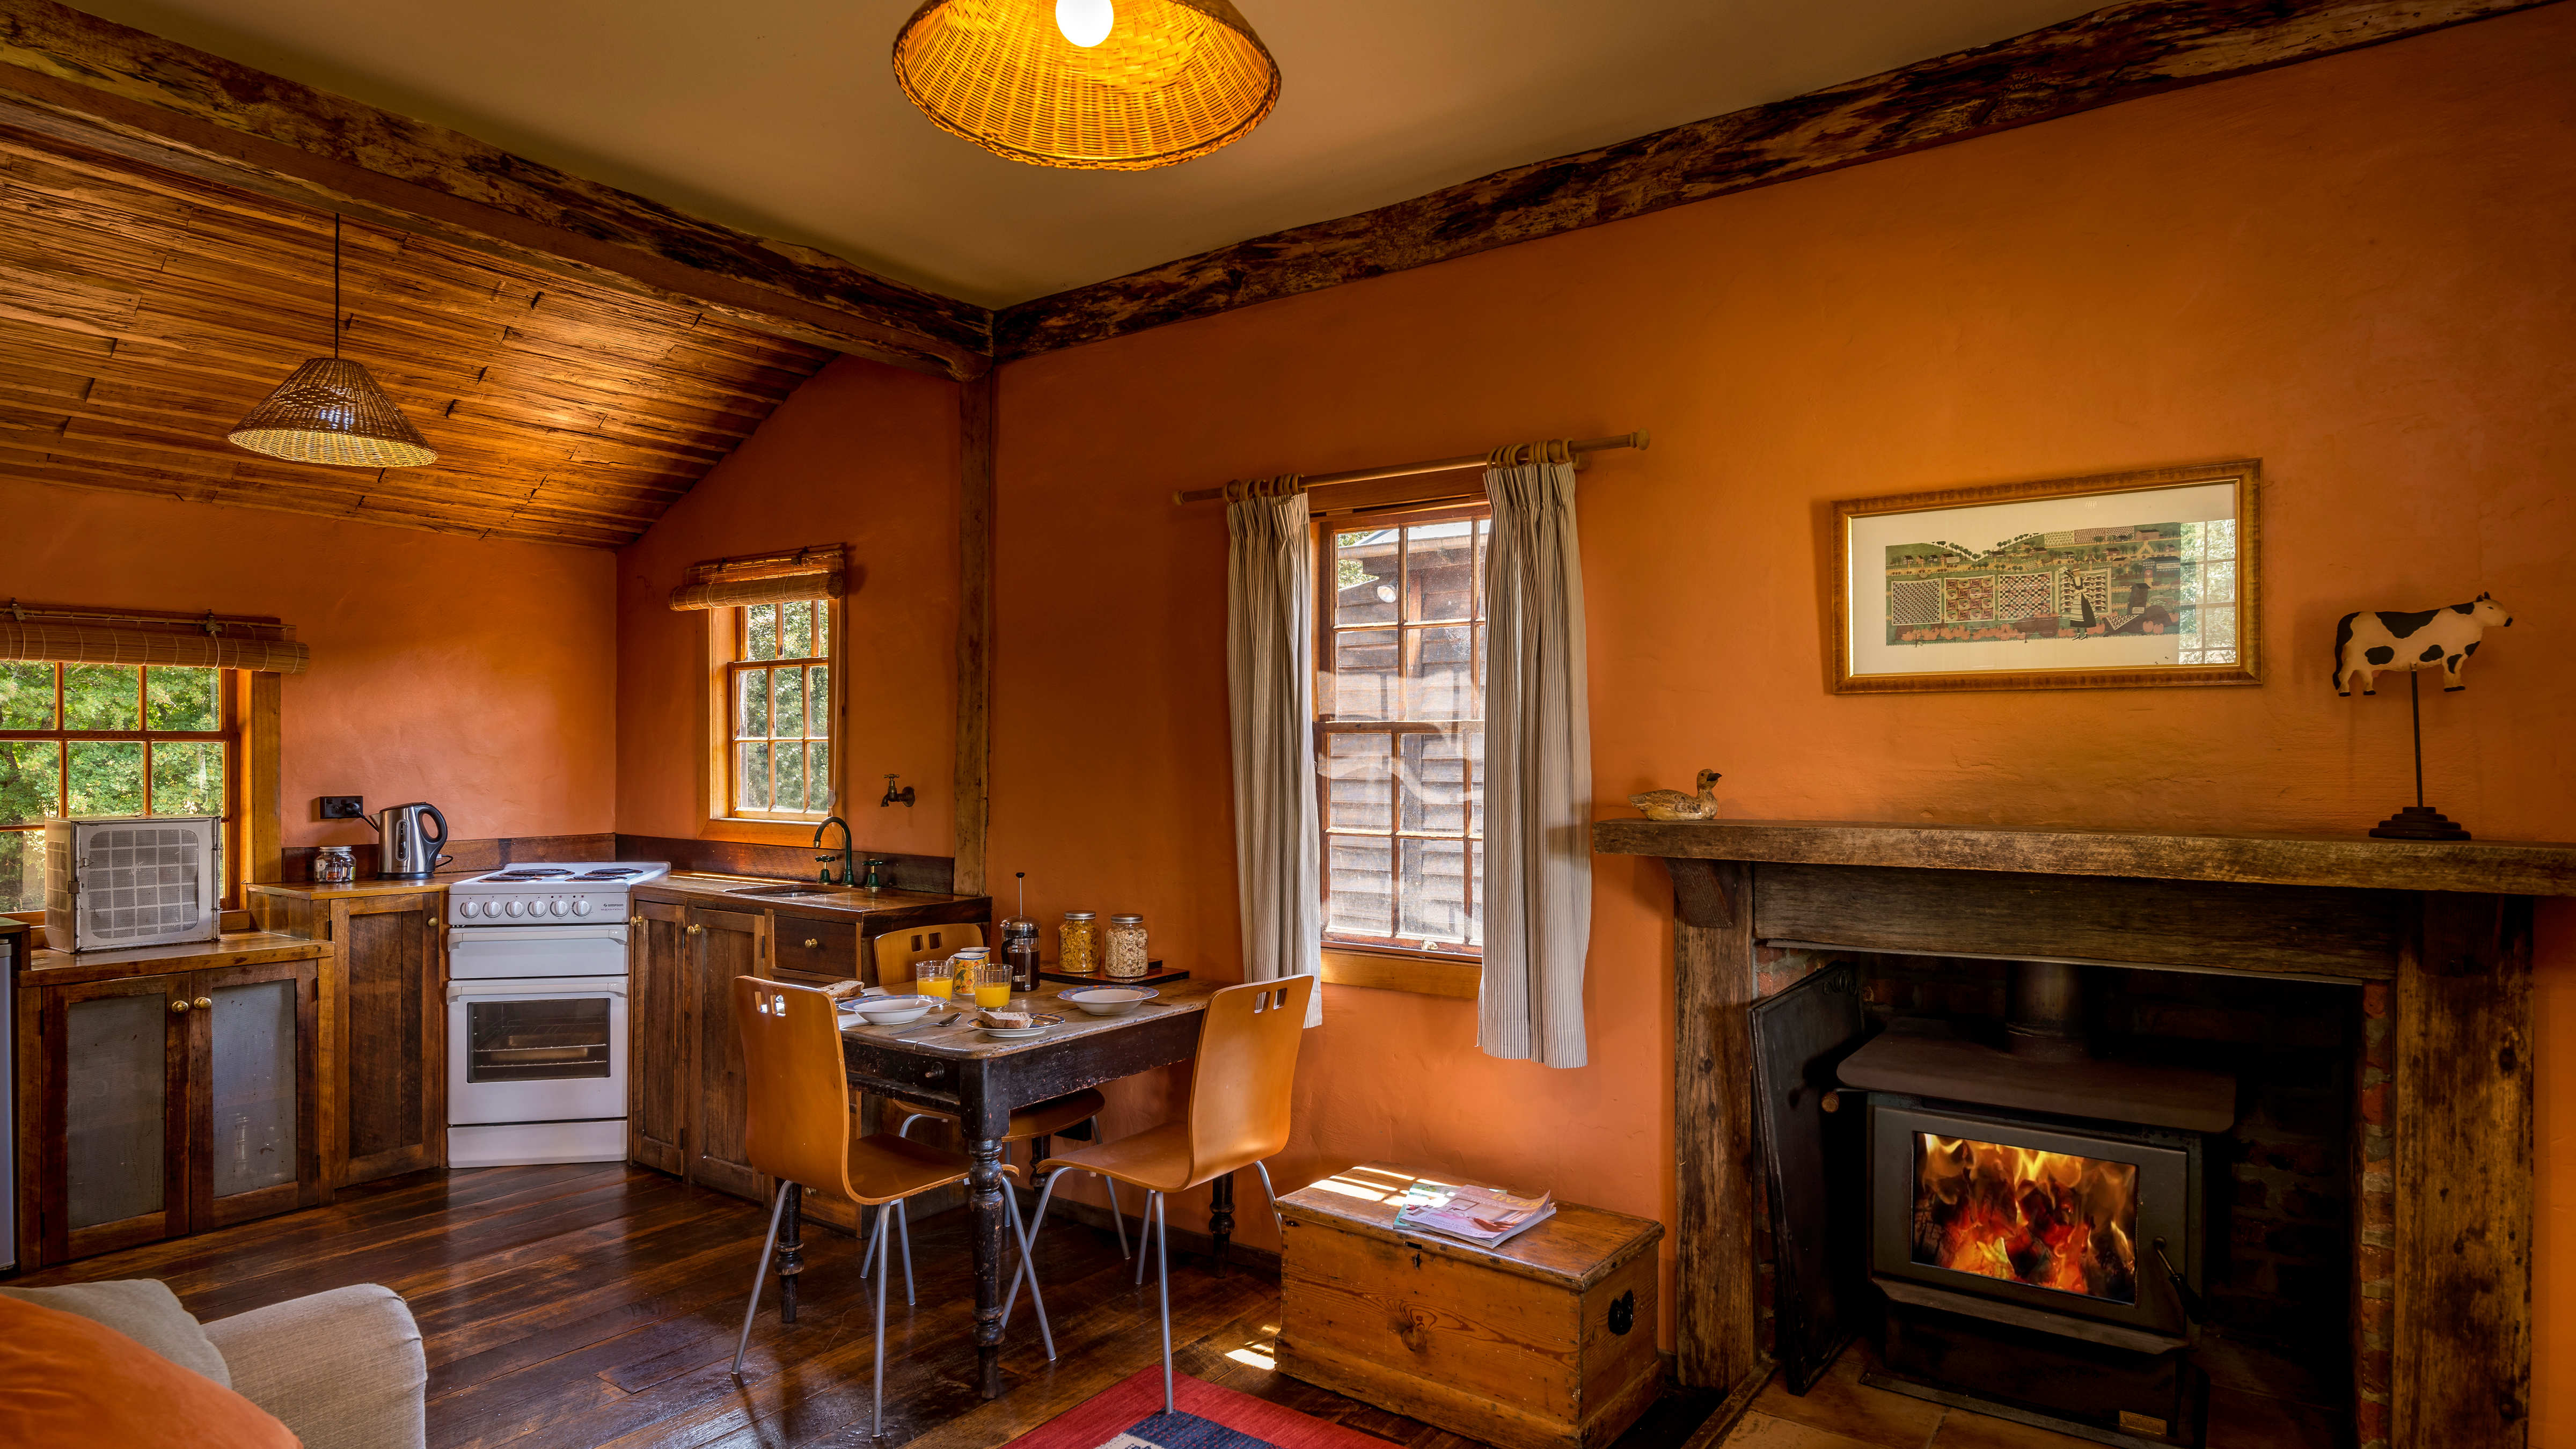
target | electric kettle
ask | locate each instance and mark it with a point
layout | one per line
(403, 851)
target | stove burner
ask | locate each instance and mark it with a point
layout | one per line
(545, 873)
(611, 873)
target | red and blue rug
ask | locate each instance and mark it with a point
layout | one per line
(1129, 1415)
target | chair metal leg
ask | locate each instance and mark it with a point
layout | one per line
(905, 1129)
(1045, 1195)
(1029, 1269)
(1151, 1198)
(876, 1405)
(1117, 1219)
(1270, 1193)
(759, 1271)
(1161, 1207)
(903, 1227)
(868, 1254)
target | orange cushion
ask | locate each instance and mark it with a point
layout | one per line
(66, 1380)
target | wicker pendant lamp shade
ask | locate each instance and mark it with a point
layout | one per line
(331, 410)
(1172, 79)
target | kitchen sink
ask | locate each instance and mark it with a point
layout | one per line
(785, 890)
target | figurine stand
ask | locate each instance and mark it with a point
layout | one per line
(2418, 821)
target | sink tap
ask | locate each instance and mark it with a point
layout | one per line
(876, 880)
(848, 875)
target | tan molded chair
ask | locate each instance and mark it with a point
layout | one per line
(1238, 1115)
(896, 952)
(799, 1127)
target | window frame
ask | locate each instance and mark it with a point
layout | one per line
(728, 640)
(1421, 965)
(232, 714)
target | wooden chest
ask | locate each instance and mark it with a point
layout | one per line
(1547, 1342)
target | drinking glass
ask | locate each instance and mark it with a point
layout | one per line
(933, 978)
(989, 979)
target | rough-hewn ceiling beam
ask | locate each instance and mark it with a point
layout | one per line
(2114, 54)
(77, 78)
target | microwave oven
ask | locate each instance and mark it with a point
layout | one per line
(141, 881)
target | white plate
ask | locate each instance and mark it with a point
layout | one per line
(884, 1011)
(1108, 1000)
(1015, 1033)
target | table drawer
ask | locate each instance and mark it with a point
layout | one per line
(807, 948)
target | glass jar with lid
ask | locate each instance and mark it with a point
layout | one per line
(1078, 943)
(1122, 954)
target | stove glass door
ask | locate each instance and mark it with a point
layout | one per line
(537, 1041)
(536, 1051)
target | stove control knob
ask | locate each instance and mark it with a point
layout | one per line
(512, 907)
(469, 909)
(581, 907)
(556, 906)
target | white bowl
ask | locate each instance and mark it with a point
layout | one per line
(889, 1010)
(1108, 1000)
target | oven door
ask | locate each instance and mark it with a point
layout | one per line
(499, 952)
(541, 1050)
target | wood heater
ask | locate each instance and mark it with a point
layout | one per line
(2035, 1220)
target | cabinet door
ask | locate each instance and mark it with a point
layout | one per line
(657, 958)
(253, 1146)
(388, 1081)
(112, 1104)
(721, 946)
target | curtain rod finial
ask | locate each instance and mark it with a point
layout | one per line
(1644, 439)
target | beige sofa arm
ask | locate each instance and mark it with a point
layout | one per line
(342, 1369)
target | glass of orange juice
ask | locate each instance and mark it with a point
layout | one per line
(989, 979)
(932, 978)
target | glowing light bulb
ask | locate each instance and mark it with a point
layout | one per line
(1084, 22)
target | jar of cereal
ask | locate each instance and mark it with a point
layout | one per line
(1123, 954)
(1078, 943)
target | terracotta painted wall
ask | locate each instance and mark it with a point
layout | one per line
(2355, 269)
(478, 676)
(863, 455)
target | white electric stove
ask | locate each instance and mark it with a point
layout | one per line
(536, 1012)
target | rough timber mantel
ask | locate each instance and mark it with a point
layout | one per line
(2511, 867)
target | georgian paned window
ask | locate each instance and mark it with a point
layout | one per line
(91, 741)
(778, 694)
(1400, 730)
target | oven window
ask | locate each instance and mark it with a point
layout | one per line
(536, 1041)
(2048, 1219)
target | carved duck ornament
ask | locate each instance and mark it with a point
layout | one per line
(1674, 805)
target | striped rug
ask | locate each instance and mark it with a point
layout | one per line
(1129, 1415)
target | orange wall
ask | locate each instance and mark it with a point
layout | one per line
(864, 455)
(478, 676)
(2355, 269)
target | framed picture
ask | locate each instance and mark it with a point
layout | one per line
(2117, 581)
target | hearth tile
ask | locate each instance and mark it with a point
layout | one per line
(1965, 1430)
(1760, 1431)
(1838, 1404)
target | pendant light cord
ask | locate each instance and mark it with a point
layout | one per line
(335, 286)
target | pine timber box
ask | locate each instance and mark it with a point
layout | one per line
(1545, 1342)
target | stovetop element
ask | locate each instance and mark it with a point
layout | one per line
(573, 893)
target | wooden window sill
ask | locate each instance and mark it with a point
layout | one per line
(1403, 971)
(762, 832)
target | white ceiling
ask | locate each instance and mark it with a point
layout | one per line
(781, 117)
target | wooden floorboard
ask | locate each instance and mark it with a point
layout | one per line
(586, 1306)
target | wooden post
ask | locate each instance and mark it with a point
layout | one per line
(974, 631)
(2460, 1369)
(1715, 1284)
(263, 856)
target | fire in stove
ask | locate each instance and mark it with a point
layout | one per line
(2048, 1219)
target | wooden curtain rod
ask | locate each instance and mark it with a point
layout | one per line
(1638, 439)
(206, 622)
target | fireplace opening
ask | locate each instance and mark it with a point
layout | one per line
(2055, 1220)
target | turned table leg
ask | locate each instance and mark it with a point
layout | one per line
(791, 1250)
(1221, 1217)
(986, 1218)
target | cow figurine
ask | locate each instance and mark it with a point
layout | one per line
(2384, 639)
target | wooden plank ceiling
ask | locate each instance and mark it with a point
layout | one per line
(143, 313)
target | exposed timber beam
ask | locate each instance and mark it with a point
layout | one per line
(2115, 54)
(76, 78)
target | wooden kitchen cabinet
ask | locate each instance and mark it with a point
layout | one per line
(384, 1076)
(160, 1101)
(719, 946)
(658, 1081)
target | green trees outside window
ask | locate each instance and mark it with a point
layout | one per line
(102, 740)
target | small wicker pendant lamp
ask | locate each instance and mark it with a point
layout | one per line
(329, 410)
(1171, 79)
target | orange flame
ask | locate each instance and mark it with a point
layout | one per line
(2049, 1219)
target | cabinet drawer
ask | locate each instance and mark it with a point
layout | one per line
(806, 947)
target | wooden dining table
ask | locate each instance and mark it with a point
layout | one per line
(983, 1080)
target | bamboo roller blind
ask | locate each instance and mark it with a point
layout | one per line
(815, 572)
(67, 636)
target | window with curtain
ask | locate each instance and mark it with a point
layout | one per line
(1399, 730)
(84, 741)
(778, 693)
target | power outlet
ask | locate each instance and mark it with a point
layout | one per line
(340, 807)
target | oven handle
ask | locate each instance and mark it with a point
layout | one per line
(525, 990)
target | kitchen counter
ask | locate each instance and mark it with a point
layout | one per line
(726, 891)
(314, 890)
(238, 948)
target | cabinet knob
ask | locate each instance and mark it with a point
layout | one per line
(205, 1003)
(696, 930)
(179, 1007)
(634, 920)
(813, 942)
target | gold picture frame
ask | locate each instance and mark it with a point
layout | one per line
(2115, 581)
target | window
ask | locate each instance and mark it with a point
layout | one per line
(1399, 731)
(2208, 593)
(778, 692)
(85, 741)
